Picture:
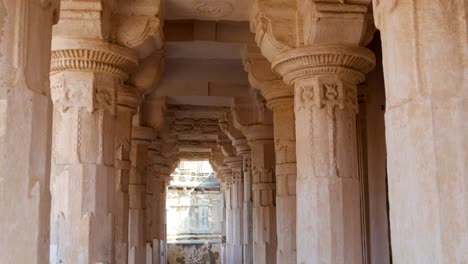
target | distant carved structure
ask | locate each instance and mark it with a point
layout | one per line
(336, 128)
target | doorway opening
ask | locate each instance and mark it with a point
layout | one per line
(194, 205)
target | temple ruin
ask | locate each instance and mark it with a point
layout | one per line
(336, 129)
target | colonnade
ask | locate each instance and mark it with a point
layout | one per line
(291, 180)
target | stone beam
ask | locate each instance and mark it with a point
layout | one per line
(204, 30)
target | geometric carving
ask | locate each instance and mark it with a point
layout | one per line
(82, 94)
(213, 8)
(348, 63)
(116, 63)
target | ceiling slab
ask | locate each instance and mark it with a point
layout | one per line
(234, 10)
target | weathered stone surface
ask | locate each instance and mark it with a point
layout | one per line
(303, 179)
(25, 130)
(280, 99)
(424, 58)
(194, 253)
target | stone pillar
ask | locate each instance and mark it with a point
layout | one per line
(160, 174)
(237, 201)
(127, 104)
(280, 99)
(324, 66)
(85, 77)
(263, 192)
(329, 220)
(25, 130)
(243, 150)
(141, 138)
(227, 174)
(285, 149)
(425, 59)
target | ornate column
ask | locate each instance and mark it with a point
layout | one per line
(280, 99)
(235, 163)
(160, 174)
(425, 60)
(94, 48)
(263, 192)
(85, 77)
(141, 138)
(227, 175)
(243, 149)
(128, 100)
(25, 129)
(324, 66)
(255, 122)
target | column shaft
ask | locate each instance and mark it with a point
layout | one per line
(25, 130)
(247, 210)
(127, 105)
(327, 184)
(229, 249)
(160, 173)
(263, 210)
(237, 201)
(137, 195)
(285, 148)
(425, 62)
(83, 165)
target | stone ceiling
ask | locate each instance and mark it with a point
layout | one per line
(235, 10)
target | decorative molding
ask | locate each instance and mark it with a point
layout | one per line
(348, 63)
(213, 8)
(95, 60)
(81, 94)
(128, 98)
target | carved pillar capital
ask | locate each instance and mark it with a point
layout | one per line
(93, 56)
(242, 147)
(235, 164)
(261, 77)
(282, 25)
(349, 64)
(128, 99)
(142, 135)
(226, 173)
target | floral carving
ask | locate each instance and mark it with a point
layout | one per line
(320, 92)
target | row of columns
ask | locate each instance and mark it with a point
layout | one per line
(427, 200)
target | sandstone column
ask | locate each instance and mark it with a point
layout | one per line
(25, 129)
(243, 150)
(263, 192)
(85, 77)
(160, 172)
(127, 103)
(324, 65)
(329, 220)
(425, 61)
(237, 199)
(280, 99)
(227, 175)
(141, 138)
(250, 116)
